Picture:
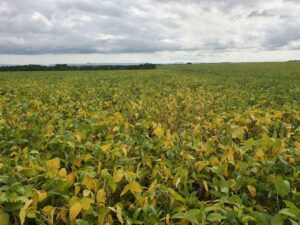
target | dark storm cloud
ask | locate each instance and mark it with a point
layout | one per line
(149, 26)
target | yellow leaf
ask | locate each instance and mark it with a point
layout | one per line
(87, 157)
(109, 220)
(86, 203)
(37, 102)
(135, 187)
(289, 131)
(73, 200)
(1, 165)
(130, 175)
(233, 185)
(125, 152)
(53, 164)
(159, 132)
(71, 178)
(78, 136)
(2, 121)
(168, 219)
(74, 211)
(177, 182)
(77, 163)
(201, 165)
(252, 190)
(22, 213)
(125, 190)
(4, 218)
(86, 193)
(62, 172)
(105, 148)
(63, 214)
(176, 195)
(214, 161)
(297, 145)
(119, 214)
(230, 157)
(101, 196)
(42, 195)
(99, 167)
(225, 170)
(35, 201)
(48, 210)
(118, 176)
(152, 186)
(82, 112)
(259, 155)
(49, 130)
(91, 183)
(238, 133)
(77, 190)
(205, 185)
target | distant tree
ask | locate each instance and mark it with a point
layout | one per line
(63, 67)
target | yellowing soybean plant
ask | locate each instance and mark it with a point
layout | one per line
(186, 144)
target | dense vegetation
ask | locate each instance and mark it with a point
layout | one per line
(198, 144)
(65, 67)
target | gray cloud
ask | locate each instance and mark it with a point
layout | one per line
(283, 37)
(150, 26)
(263, 13)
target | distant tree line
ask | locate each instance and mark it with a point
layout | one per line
(65, 67)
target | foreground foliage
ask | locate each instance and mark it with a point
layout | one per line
(198, 144)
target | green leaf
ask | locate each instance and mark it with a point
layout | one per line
(209, 209)
(103, 212)
(192, 215)
(287, 212)
(262, 218)
(293, 208)
(176, 196)
(278, 219)
(81, 222)
(234, 222)
(282, 186)
(215, 217)
(293, 222)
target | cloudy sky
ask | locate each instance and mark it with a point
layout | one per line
(128, 31)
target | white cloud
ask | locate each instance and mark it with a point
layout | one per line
(184, 29)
